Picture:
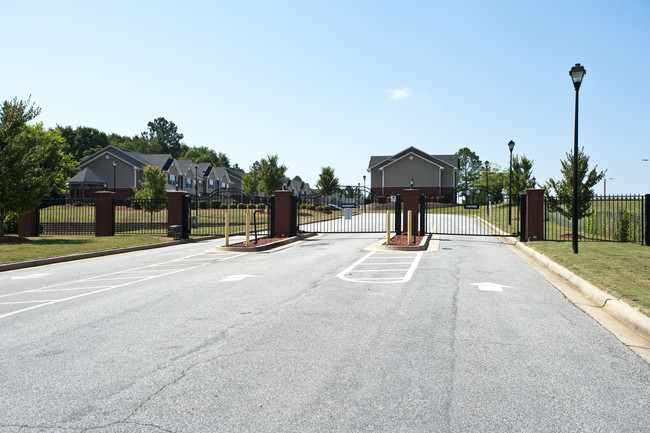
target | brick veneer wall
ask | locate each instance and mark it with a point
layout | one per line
(410, 201)
(28, 224)
(104, 215)
(535, 214)
(282, 210)
(175, 208)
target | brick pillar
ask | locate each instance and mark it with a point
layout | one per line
(535, 214)
(28, 224)
(282, 211)
(104, 215)
(410, 202)
(175, 208)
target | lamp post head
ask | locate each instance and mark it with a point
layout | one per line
(534, 182)
(411, 183)
(114, 163)
(511, 145)
(487, 163)
(577, 73)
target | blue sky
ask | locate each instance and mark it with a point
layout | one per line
(332, 83)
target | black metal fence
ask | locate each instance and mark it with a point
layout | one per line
(620, 218)
(142, 216)
(474, 218)
(67, 217)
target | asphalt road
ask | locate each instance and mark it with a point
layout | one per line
(319, 336)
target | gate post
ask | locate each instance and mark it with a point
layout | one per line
(398, 214)
(423, 215)
(104, 213)
(535, 214)
(522, 217)
(411, 199)
(647, 219)
(284, 213)
(178, 213)
(28, 223)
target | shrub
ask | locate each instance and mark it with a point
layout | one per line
(261, 206)
(234, 202)
(11, 223)
(127, 202)
(381, 199)
(241, 205)
(311, 207)
(203, 204)
(216, 204)
(223, 206)
(77, 203)
(252, 206)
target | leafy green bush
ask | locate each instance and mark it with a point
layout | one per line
(223, 206)
(252, 206)
(241, 205)
(11, 223)
(216, 204)
(311, 207)
(203, 204)
(261, 206)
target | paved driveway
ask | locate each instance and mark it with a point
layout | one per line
(186, 339)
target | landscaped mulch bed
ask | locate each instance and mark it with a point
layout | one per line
(400, 240)
(260, 242)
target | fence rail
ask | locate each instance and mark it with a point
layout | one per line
(142, 216)
(619, 218)
(67, 217)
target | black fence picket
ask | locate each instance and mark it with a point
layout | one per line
(617, 218)
(61, 216)
(140, 216)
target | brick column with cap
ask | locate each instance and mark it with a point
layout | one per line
(282, 210)
(104, 215)
(175, 208)
(534, 214)
(410, 202)
(28, 224)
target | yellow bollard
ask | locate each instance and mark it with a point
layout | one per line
(248, 227)
(387, 227)
(227, 226)
(409, 224)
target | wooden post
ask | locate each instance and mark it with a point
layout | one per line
(226, 226)
(387, 227)
(248, 227)
(409, 230)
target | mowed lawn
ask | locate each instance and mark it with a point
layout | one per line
(46, 246)
(621, 269)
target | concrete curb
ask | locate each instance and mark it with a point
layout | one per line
(267, 246)
(90, 255)
(616, 308)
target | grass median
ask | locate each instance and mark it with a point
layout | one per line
(47, 246)
(620, 269)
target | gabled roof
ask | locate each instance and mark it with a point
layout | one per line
(184, 165)
(204, 168)
(136, 159)
(87, 177)
(381, 161)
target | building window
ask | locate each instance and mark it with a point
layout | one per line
(211, 183)
(172, 179)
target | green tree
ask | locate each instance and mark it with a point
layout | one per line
(562, 198)
(29, 158)
(204, 154)
(268, 173)
(251, 184)
(82, 141)
(164, 137)
(153, 190)
(327, 183)
(522, 175)
(469, 169)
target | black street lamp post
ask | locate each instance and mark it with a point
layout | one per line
(511, 145)
(577, 73)
(364, 192)
(114, 170)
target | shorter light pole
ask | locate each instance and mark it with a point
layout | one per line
(364, 192)
(577, 73)
(511, 145)
(196, 191)
(114, 170)
(487, 181)
(605, 186)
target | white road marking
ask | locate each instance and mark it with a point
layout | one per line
(490, 287)
(237, 277)
(388, 263)
(103, 288)
(27, 277)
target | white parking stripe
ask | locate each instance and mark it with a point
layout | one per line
(381, 263)
(101, 288)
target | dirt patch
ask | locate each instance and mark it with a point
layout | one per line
(12, 239)
(400, 240)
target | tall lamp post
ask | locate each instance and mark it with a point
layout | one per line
(114, 170)
(511, 145)
(364, 192)
(577, 73)
(487, 182)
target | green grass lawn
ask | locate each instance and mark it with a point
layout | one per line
(57, 245)
(621, 269)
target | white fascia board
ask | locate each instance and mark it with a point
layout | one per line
(414, 154)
